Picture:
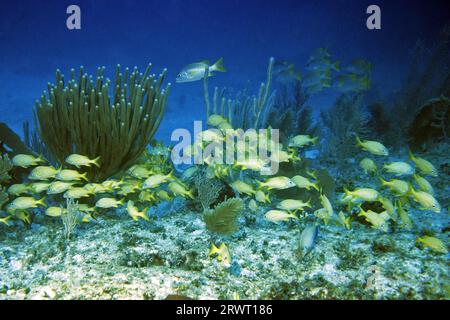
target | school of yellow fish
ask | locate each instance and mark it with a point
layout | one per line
(403, 181)
(401, 187)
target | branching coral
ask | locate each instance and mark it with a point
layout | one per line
(431, 122)
(428, 78)
(243, 111)
(5, 166)
(208, 190)
(343, 122)
(34, 143)
(70, 217)
(80, 116)
(292, 115)
(223, 219)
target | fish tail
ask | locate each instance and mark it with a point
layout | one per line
(144, 216)
(411, 155)
(346, 191)
(213, 249)
(40, 158)
(358, 141)
(122, 201)
(5, 220)
(267, 197)
(218, 66)
(361, 211)
(84, 176)
(95, 162)
(311, 173)
(315, 185)
(191, 194)
(308, 203)
(41, 202)
(411, 190)
(314, 140)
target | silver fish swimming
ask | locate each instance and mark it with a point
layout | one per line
(196, 71)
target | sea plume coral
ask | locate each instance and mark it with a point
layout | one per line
(244, 111)
(5, 166)
(208, 189)
(290, 113)
(343, 122)
(428, 78)
(223, 219)
(81, 116)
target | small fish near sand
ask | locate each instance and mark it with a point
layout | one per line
(107, 203)
(134, 212)
(223, 253)
(433, 243)
(196, 71)
(308, 239)
(277, 216)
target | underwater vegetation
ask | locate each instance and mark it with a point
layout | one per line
(244, 111)
(87, 143)
(81, 116)
(223, 218)
(418, 113)
(5, 167)
(93, 158)
(345, 120)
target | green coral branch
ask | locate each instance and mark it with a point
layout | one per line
(80, 116)
(244, 111)
(223, 219)
(5, 167)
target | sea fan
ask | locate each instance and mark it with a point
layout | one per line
(223, 219)
(5, 166)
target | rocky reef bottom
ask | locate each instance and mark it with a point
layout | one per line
(115, 257)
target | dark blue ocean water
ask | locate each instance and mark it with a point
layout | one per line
(34, 42)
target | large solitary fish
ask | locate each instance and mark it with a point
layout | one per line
(196, 71)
